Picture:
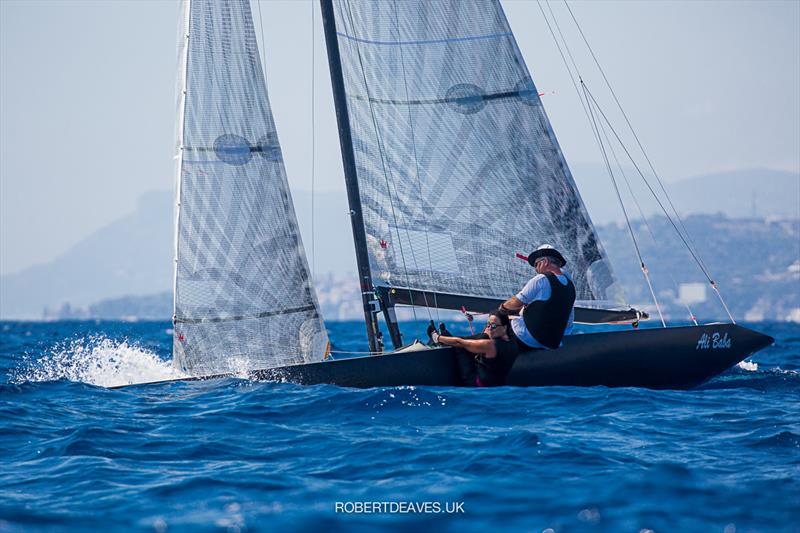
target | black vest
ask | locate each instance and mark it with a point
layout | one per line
(546, 320)
(492, 372)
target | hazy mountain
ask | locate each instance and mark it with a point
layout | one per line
(130, 256)
(133, 256)
(740, 193)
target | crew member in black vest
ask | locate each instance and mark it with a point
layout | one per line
(545, 304)
(485, 359)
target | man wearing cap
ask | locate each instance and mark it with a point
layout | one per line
(545, 304)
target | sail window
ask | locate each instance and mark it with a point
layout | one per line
(425, 251)
(232, 149)
(465, 98)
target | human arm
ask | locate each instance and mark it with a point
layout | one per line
(512, 306)
(529, 293)
(476, 346)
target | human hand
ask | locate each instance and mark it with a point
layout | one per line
(431, 331)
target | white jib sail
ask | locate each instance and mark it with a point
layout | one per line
(243, 294)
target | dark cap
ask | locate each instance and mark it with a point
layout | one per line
(546, 250)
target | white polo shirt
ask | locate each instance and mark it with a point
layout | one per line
(538, 288)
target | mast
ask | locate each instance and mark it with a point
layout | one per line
(368, 298)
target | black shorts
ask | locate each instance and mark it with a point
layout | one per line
(521, 345)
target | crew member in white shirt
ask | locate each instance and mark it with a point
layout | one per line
(545, 304)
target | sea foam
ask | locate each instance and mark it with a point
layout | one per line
(96, 360)
(750, 366)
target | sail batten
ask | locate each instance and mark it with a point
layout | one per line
(456, 163)
(243, 293)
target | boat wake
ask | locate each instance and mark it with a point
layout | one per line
(749, 374)
(96, 360)
(749, 366)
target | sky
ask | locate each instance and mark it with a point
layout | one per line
(87, 103)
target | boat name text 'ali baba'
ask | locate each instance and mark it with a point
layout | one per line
(713, 341)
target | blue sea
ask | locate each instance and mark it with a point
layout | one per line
(234, 455)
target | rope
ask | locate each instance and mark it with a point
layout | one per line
(313, 145)
(663, 209)
(356, 353)
(645, 272)
(633, 131)
(692, 247)
(666, 213)
(644, 218)
(585, 104)
(596, 132)
(563, 58)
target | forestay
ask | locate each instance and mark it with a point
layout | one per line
(243, 295)
(457, 165)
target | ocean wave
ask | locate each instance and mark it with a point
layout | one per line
(783, 439)
(774, 379)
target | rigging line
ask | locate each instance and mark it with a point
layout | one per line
(416, 167)
(596, 130)
(356, 353)
(666, 213)
(313, 146)
(644, 218)
(564, 59)
(633, 131)
(581, 97)
(563, 39)
(381, 151)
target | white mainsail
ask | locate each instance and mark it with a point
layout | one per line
(457, 166)
(243, 294)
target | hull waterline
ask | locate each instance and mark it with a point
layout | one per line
(670, 358)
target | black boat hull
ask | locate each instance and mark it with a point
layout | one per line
(664, 358)
(671, 358)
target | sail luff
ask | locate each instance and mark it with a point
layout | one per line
(183, 36)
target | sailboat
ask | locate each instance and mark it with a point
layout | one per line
(451, 167)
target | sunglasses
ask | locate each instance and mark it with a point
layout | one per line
(493, 326)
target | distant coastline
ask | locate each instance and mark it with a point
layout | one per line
(124, 270)
(733, 249)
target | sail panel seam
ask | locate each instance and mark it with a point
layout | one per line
(290, 311)
(426, 41)
(432, 101)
